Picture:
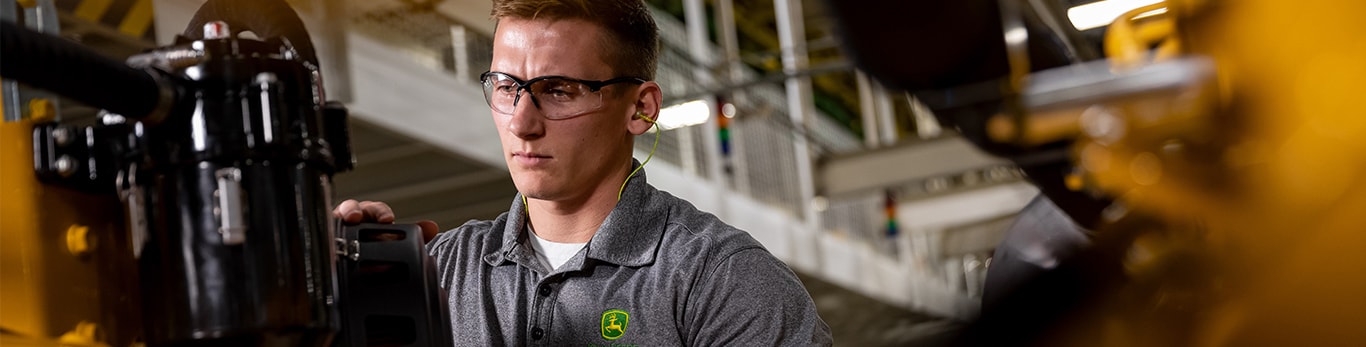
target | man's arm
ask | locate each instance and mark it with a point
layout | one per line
(751, 298)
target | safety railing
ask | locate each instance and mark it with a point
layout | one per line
(420, 32)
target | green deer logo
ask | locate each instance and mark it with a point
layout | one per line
(614, 324)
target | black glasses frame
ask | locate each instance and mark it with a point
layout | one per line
(593, 86)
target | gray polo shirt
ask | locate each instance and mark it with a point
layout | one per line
(657, 273)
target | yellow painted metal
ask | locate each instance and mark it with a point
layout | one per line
(8, 340)
(85, 334)
(41, 109)
(1257, 182)
(45, 291)
(1127, 46)
(92, 10)
(1294, 70)
(138, 19)
(1128, 39)
(1040, 127)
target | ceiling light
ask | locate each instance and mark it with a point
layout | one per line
(689, 113)
(1102, 13)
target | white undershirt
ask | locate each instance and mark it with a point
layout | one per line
(553, 254)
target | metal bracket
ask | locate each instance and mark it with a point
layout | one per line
(230, 210)
(349, 249)
(87, 158)
(130, 193)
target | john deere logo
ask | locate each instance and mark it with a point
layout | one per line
(614, 324)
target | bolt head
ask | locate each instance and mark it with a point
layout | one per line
(61, 135)
(65, 165)
(79, 240)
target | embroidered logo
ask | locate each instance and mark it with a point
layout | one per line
(614, 323)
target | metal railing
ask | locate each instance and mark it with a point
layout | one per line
(421, 32)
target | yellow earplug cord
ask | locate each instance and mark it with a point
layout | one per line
(647, 158)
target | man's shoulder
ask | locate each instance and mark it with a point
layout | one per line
(734, 279)
(480, 227)
(692, 232)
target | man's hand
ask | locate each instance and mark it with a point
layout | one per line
(356, 212)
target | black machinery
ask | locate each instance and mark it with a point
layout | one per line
(221, 150)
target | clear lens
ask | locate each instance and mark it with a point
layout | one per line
(557, 98)
(500, 91)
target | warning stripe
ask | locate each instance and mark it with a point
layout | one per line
(130, 17)
(93, 10)
(138, 19)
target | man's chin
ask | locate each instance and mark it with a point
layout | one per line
(533, 187)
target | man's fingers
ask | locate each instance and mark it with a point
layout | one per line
(429, 229)
(376, 211)
(354, 212)
(348, 211)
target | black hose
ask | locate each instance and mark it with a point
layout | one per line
(71, 70)
(265, 18)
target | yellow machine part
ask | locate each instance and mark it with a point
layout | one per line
(1269, 162)
(1294, 71)
(66, 267)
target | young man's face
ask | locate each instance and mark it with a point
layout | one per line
(567, 159)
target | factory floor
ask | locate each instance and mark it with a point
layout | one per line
(858, 320)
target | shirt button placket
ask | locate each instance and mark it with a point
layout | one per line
(543, 308)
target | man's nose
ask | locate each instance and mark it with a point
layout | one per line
(527, 121)
(524, 94)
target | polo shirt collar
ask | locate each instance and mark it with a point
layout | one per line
(629, 236)
(515, 246)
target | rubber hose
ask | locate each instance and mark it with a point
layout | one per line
(74, 71)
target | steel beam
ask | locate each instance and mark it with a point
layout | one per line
(905, 163)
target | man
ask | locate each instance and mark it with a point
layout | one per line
(589, 253)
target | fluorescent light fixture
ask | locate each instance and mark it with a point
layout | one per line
(1102, 13)
(689, 113)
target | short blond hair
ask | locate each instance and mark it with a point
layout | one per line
(632, 42)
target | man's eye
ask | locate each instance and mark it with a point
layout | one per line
(506, 89)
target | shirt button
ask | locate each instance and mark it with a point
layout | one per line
(545, 291)
(537, 333)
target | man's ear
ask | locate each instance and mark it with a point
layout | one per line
(648, 98)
